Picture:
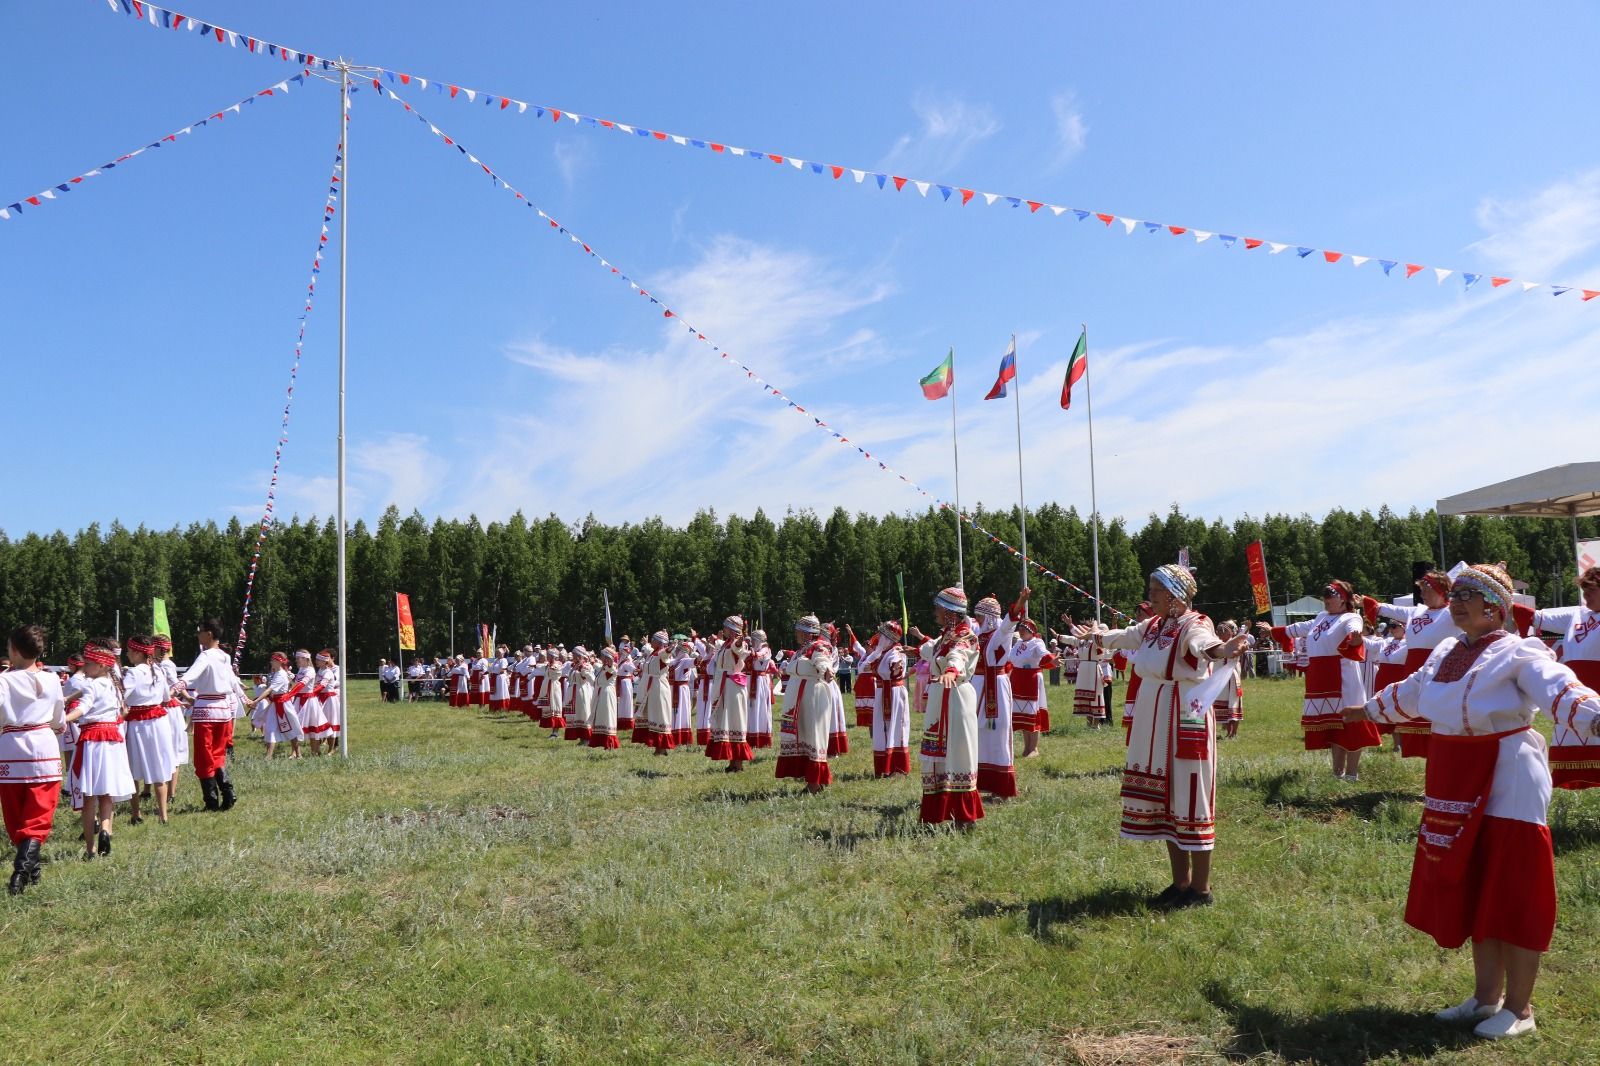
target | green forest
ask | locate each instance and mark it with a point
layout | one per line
(542, 579)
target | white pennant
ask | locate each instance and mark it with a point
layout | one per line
(798, 164)
(522, 107)
(1276, 248)
(1058, 210)
(991, 197)
(422, 82)
(624, 129)
(472, 95)
(859, 175)
(1201, 236)
(680, 140)
(1441, 274)
(923, 186)
(1357, 260)
(1128, 224)
(1529, 286)
(4, 214)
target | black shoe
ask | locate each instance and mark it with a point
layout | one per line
(1191, 898)
(32, 847)
(103, 843)
(19, 870)
(1168, 898)
(225, 788)
(208, 789)
(139, 820)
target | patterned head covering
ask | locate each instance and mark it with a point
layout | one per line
(74, 661)
(758, 637)
(1437, 580)
(325, 656)
(988, 607)
(279, 657)
(808, 623)
(952, 599)
(163, 642)
(733, 622)
(1489, 580)
(302, 654)
(1028, 626)
(93, 653)
(142, 647)
(1177, 580)
(579, 650)
(1338, 587)
(891, 629)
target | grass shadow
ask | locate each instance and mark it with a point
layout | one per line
(1362, 804)
(892, 821)
(1079, 775)
(728, 795)
(1338, 1038)
(1043, 916)
(648, 775)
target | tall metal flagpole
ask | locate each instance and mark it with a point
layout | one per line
(1094, 503)
(344, 265)
(1022, 502)
(961, 564)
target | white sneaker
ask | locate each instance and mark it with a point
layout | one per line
(1352, 777)
(1503, 1026)
(1469, 1010)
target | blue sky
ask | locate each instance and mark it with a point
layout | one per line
(494, 367)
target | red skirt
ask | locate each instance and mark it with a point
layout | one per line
(1507, 893)
(605, 741)
(811, 771)
(960, 807)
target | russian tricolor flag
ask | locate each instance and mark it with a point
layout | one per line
(1008, 372)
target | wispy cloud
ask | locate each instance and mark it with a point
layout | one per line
(1071, 129)
(947, 129)
(1540, 236)
(573, 157)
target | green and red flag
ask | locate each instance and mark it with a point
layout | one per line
(1077, 366)
(936, 386)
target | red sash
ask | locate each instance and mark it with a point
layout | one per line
(94, 733)
(145, 712)
(1460, 775)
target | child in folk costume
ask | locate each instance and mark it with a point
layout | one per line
(1088, 694)
(1485, 867)
(658, 689)
(100, 775)
(1030, 708)
(603, 729)
(683, 691)
(808, 709)
(459, 680)
(581, 680)
(624, 670)
(32, 714)
(308, 701)
(72, 690)
(997, 772)
(705, 653)
(282, 720)
(1574, 758)
(949, 749)
(500, 680)
(147, 735)
(730, 697)
(176, 719)
(1333, 677)
(761, 670)
(480, 681)
(327, 683)
(216, 692)
(891, 706)
(1427, 625)
(1228, 708)
(554, 714)
(864, 690)
(1169, 780)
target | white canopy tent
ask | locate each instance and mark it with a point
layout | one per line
(1571, 491)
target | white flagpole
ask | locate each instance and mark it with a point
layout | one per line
(344, 263)
(955, 448)
(1022, 502)
(1094, 504)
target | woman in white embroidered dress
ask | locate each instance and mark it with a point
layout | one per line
(808, 708)
(1030, 706)
(997, 770)
(1170, 777)
(1485, 866)
(761, 671)
(949, 748)
(603, 729)
(147, 735)
(1574, 759)
(1425, 626)
(891, 709)
(176, 719)
(658, 697)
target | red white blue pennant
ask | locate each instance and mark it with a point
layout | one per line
(751, 375)
(947, 191)
(28, 203)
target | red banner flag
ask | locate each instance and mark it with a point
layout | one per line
(1258, 577)
(408, 628)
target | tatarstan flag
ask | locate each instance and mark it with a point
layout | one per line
(938, 382)
(1077, 366)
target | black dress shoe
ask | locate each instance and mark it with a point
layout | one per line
(103, 843)
(1168, 898)
(1191, 898)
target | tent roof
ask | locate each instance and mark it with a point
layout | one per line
(1305, 605)
(1560, 492)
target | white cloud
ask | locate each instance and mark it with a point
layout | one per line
(947, 129)
(1071, 129)
(1537, 238)
(397, 468)
(572, 156)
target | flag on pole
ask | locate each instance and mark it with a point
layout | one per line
(1257, 561)
(905, 616)
(485, 641)
(408, 628)
(158, 618)
(937, 384)
(1077, 366)
(605, 594)
(1008, 372)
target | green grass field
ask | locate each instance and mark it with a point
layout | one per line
(464, 890)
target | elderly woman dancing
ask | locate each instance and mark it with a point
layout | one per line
(950, 720)
(1169, 779)
(1484, 866)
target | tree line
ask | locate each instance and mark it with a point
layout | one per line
(542, 579)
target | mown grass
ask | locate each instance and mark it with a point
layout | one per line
(463, 889)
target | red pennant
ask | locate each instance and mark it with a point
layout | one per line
(899, 183)
(177, 19)
(138, 8)
(1176, 231)
(715, 147)
(966, 196)
(775, 158)
(34, 200)
(666, 314)
(608, 124)
(659, 135)
(1251, 242)
(504, 103)
(76, 180)
(1589, 294)
(453, 90)
(447, 139)
(1497, 282)
(1107, 219)
(1412, 269)
(405, 79)
(219, 34)
(1332, 257)
(555, 116)
(1033, 205)
(838, 172)
(375, 84)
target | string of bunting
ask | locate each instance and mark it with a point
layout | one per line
(728, 357)
(948, 191)
(335, 184)
(52, 193)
